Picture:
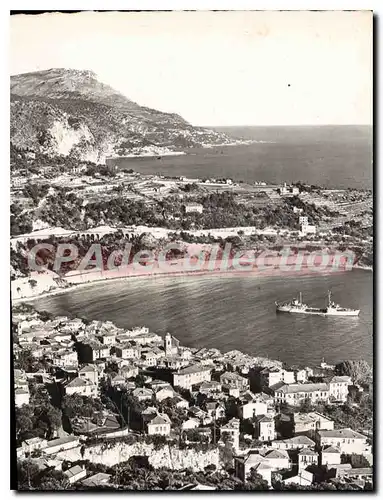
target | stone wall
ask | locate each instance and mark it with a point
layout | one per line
(166, 456)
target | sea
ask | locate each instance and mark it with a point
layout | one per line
(235, 312)
(238, 312)
(331, 156)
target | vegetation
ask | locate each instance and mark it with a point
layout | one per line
(359, 371)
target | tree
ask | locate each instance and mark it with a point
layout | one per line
(254, 481)
(29, 477)
(32, 283)
(359, 371)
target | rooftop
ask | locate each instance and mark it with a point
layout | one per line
(193, 369)
(342, 433)
(307, 451)
(296, 388)
(160, 418)
(63, 440)
(331, 449)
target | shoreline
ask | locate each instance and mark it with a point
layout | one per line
(177, 274)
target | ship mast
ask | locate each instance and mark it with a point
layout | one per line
(329, 297)
(300, 297)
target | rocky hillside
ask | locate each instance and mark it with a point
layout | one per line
(69, 112)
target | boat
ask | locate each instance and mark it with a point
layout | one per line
(332, 309)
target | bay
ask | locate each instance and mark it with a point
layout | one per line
(235, 312)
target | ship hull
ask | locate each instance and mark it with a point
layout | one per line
(317, 312)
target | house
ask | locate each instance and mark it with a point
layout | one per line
(265, 428)
(311, 422)
(190, 423)
(180, 402)
(147, 338)
(253, 460)
(210, 388)
(65, 358)
(159, 425)
(301, 376)
(234, 380)
(306, 229)
(339, 387)
(107, 338)
(61, 444)
(191, 375)
(157, 384)
(118, 381)
(294, 443)
(330, 456)
(251, 406)
(303, 478)
(75, 473)
(142, 394)
(90, 351)
(81, 386)
(270, 377)
(174, 362)
(97, 480)
(21, 397)
(346, 440)
(215, 410)
(365, 473)
(149, 358)
(306, 457)
(127, 351)
(230, 432)
(33, 444)
(278, 459)
(193, 208)
(89, 372)
(295, 394)
(165, 393)
(128, 371)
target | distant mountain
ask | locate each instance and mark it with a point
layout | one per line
(69, 112)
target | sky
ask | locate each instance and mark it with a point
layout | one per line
(215, 68)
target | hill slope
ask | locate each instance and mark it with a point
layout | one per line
(69, 112)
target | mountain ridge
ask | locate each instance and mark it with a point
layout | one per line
(70, 112)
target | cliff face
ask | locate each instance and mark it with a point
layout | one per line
(166, 456)
(69, 112)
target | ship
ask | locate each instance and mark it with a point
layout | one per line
(332, 309)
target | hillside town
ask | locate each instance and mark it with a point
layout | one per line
(102, 407)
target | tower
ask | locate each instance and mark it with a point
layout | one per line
(168, 344)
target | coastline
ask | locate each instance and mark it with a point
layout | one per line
(93, 281)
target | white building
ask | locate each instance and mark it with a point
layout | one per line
(75, 473)
(330, 456)
(307, 457)
(61, 444)
(193, 207)
(21, 397)
(339, 387)
(265, 428)
(159, 425)
(307, 229)
(346, 440)
(127, 351)
(191, 375)
(311, 422)
(81, 386)
(295, 394)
